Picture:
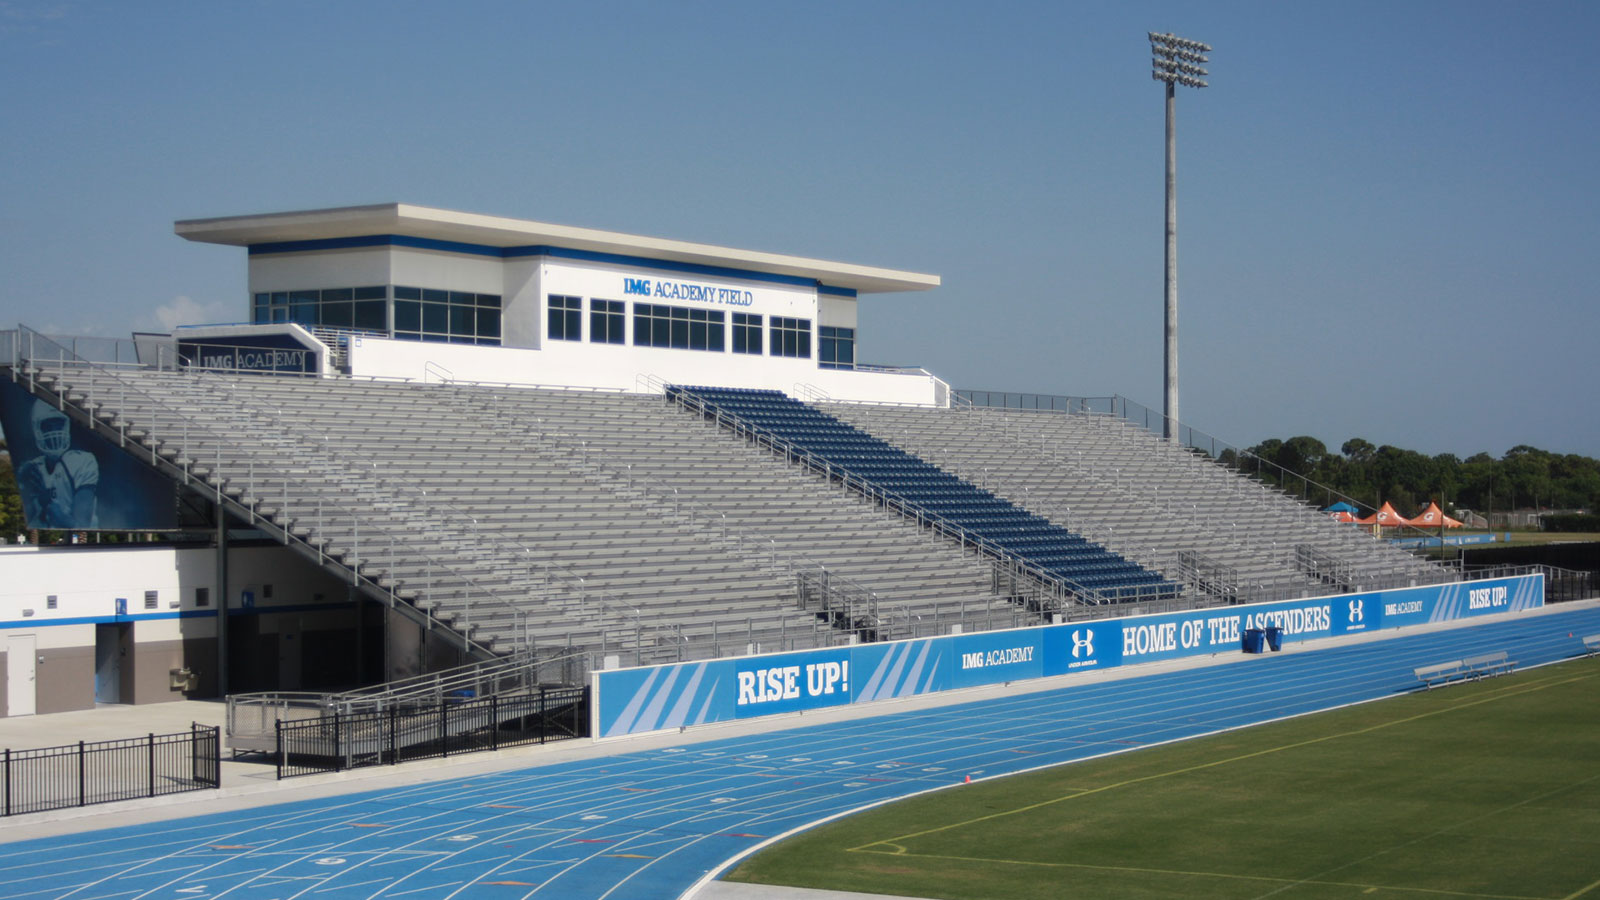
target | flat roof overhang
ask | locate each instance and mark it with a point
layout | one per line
(498, 232)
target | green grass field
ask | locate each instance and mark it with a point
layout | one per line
(1489, 789)
(1553, 537)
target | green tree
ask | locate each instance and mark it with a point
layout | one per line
(1478, 474)
(1267, 453)
(1302, 455)
(1526, 476)
(1577, 482)
(1359, 451)
(1401, 476)
(11, 522)
(1446, 480)
(1529, 471)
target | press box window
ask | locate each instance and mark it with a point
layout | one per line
(677, 327)
(606, 322)
(791, 337)
(364, 308)
(747, 333)
(456, 317)
(566, 318)
(836, 348)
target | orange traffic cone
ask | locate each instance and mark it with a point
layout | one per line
(968, 781)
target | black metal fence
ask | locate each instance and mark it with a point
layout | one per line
(403, 733)
(106, 771)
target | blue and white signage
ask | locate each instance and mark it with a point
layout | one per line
(791, 682)
(896, 669)
(667, 289)
(1083, 645)
(992, 657)
(633, 701)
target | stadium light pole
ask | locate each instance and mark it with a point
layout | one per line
(1175, 61)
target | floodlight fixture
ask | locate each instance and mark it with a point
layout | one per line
(1174, 61)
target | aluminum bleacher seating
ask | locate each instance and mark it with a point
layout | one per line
(589, 519)
(1141, 495)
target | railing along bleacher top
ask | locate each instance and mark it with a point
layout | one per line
(1063, 587)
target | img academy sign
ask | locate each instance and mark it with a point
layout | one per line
(662, 289)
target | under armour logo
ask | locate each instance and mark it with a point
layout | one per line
(1082, 643)
(1356, 613)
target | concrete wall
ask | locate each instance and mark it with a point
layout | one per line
(306, 607)
(625, 368)
(152, 665)
(319, 269)
(64, 679)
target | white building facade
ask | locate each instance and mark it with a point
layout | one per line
(131, 623)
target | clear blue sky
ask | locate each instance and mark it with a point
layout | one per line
(1388, 211)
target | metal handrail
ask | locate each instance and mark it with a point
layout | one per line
(698, 515)
(1125, 409)
(446, 514)
(461, 520)
(545, 570)
(428, 688)
(1062, 587)
(1063, 514)
(1297, 514)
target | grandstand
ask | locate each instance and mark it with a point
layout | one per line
(593, 520)
(709, 487)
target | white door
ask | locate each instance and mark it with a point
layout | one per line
(21, 674)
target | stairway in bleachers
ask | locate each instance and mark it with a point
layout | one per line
(1092, 573)
(915, 584)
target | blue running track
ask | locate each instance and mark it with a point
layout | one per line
(651, 823)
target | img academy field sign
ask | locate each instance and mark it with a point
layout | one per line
(656, 698)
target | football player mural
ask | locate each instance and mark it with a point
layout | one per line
(71, 480)
(58, 486)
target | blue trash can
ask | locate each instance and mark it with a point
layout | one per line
(1251, 640)
(1274, 636)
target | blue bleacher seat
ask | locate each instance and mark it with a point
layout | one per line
(921, 484)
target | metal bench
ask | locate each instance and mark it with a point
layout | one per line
(1489, 664)
(1473, 667)
(1591, 644)
(1441, 673)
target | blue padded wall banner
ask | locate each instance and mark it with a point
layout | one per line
(681, 695)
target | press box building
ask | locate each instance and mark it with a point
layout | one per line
(377, 290)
